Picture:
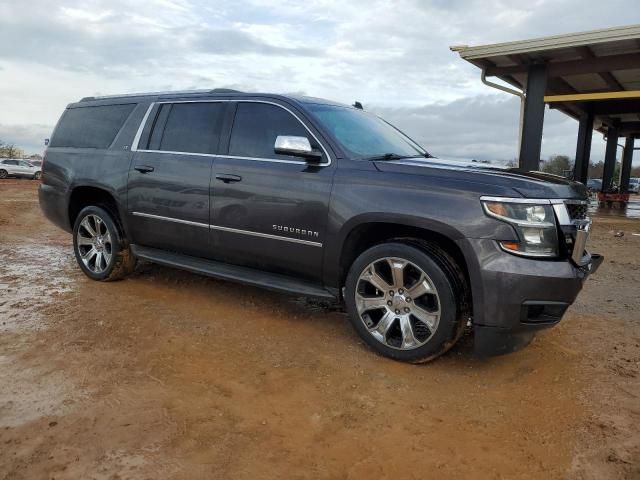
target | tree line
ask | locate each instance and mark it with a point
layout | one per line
(9, 150)
(562, 165)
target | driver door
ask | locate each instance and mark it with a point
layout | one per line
(269, 210)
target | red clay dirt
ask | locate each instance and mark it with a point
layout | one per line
(172, 375)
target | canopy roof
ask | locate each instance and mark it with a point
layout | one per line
(599, 69)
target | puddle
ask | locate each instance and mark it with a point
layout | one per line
(632, 210)
(31, 277)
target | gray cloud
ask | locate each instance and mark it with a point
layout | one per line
(120, 41)
(232, 42)
(483, 127)
(28, 137)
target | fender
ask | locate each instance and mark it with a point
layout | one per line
(335, 243)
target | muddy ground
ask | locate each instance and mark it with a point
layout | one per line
(172, 375)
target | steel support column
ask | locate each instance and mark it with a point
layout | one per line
(610, 159)
(583, 148)
(627, 159)
(533, 119)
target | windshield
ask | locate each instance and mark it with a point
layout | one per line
(364, 135)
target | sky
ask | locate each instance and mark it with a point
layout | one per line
(393, 56)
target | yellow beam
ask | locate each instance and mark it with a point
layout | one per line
(587, 97)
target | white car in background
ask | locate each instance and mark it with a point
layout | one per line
(10, 167)
(634, 185)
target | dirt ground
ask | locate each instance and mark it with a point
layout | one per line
(172, 375)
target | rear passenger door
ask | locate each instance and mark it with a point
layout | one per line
(269, 211)
(168, 194)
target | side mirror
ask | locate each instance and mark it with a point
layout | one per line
(297, 147)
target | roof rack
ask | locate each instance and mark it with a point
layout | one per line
(164, 93)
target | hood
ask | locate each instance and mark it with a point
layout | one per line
(527, 184)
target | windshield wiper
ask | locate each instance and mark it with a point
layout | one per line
(395, 156)
(385, 156)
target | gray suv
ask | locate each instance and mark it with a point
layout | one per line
(311, 197)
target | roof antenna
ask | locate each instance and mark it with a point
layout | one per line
(358, 105)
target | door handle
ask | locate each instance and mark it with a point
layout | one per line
(228, 178)
(143, 168)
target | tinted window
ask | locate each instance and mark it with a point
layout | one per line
(256, 127)
(90, 127)
(189, 127)
(10, 162)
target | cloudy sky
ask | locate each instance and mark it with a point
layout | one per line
(393, 56)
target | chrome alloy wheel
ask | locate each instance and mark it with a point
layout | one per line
(94, 243)
(398, 303)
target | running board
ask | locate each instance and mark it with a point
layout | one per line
(234, 273)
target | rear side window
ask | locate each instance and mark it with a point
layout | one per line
(90, 127)
(187, 127)
(256, 126)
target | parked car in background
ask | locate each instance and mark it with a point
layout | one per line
(634, 185)
(35, 163)
(594, 185)
(10, 167)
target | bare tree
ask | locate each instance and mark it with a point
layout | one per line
(9, 150)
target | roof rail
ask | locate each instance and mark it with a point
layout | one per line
(164, 93)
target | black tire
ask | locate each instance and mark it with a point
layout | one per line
(4, 174)
(122, 262)
(446, 277)
(37, 176)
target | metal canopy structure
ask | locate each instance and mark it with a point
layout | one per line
(593, 77)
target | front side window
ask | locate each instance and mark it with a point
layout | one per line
(364, 135)
(256, 126)
(187, 127)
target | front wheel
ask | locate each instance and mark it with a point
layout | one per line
(405, 302)
(100, 248)
(37, 175)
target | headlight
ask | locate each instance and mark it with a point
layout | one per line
(534, 223)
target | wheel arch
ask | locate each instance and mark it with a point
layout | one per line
(84, 195)
(370, 231)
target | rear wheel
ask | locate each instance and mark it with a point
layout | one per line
(405, 301)
(100, 248)
(4, 174)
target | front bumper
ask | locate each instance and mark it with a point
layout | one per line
(514, 297)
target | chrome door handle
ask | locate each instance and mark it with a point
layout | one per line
(228, 178)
